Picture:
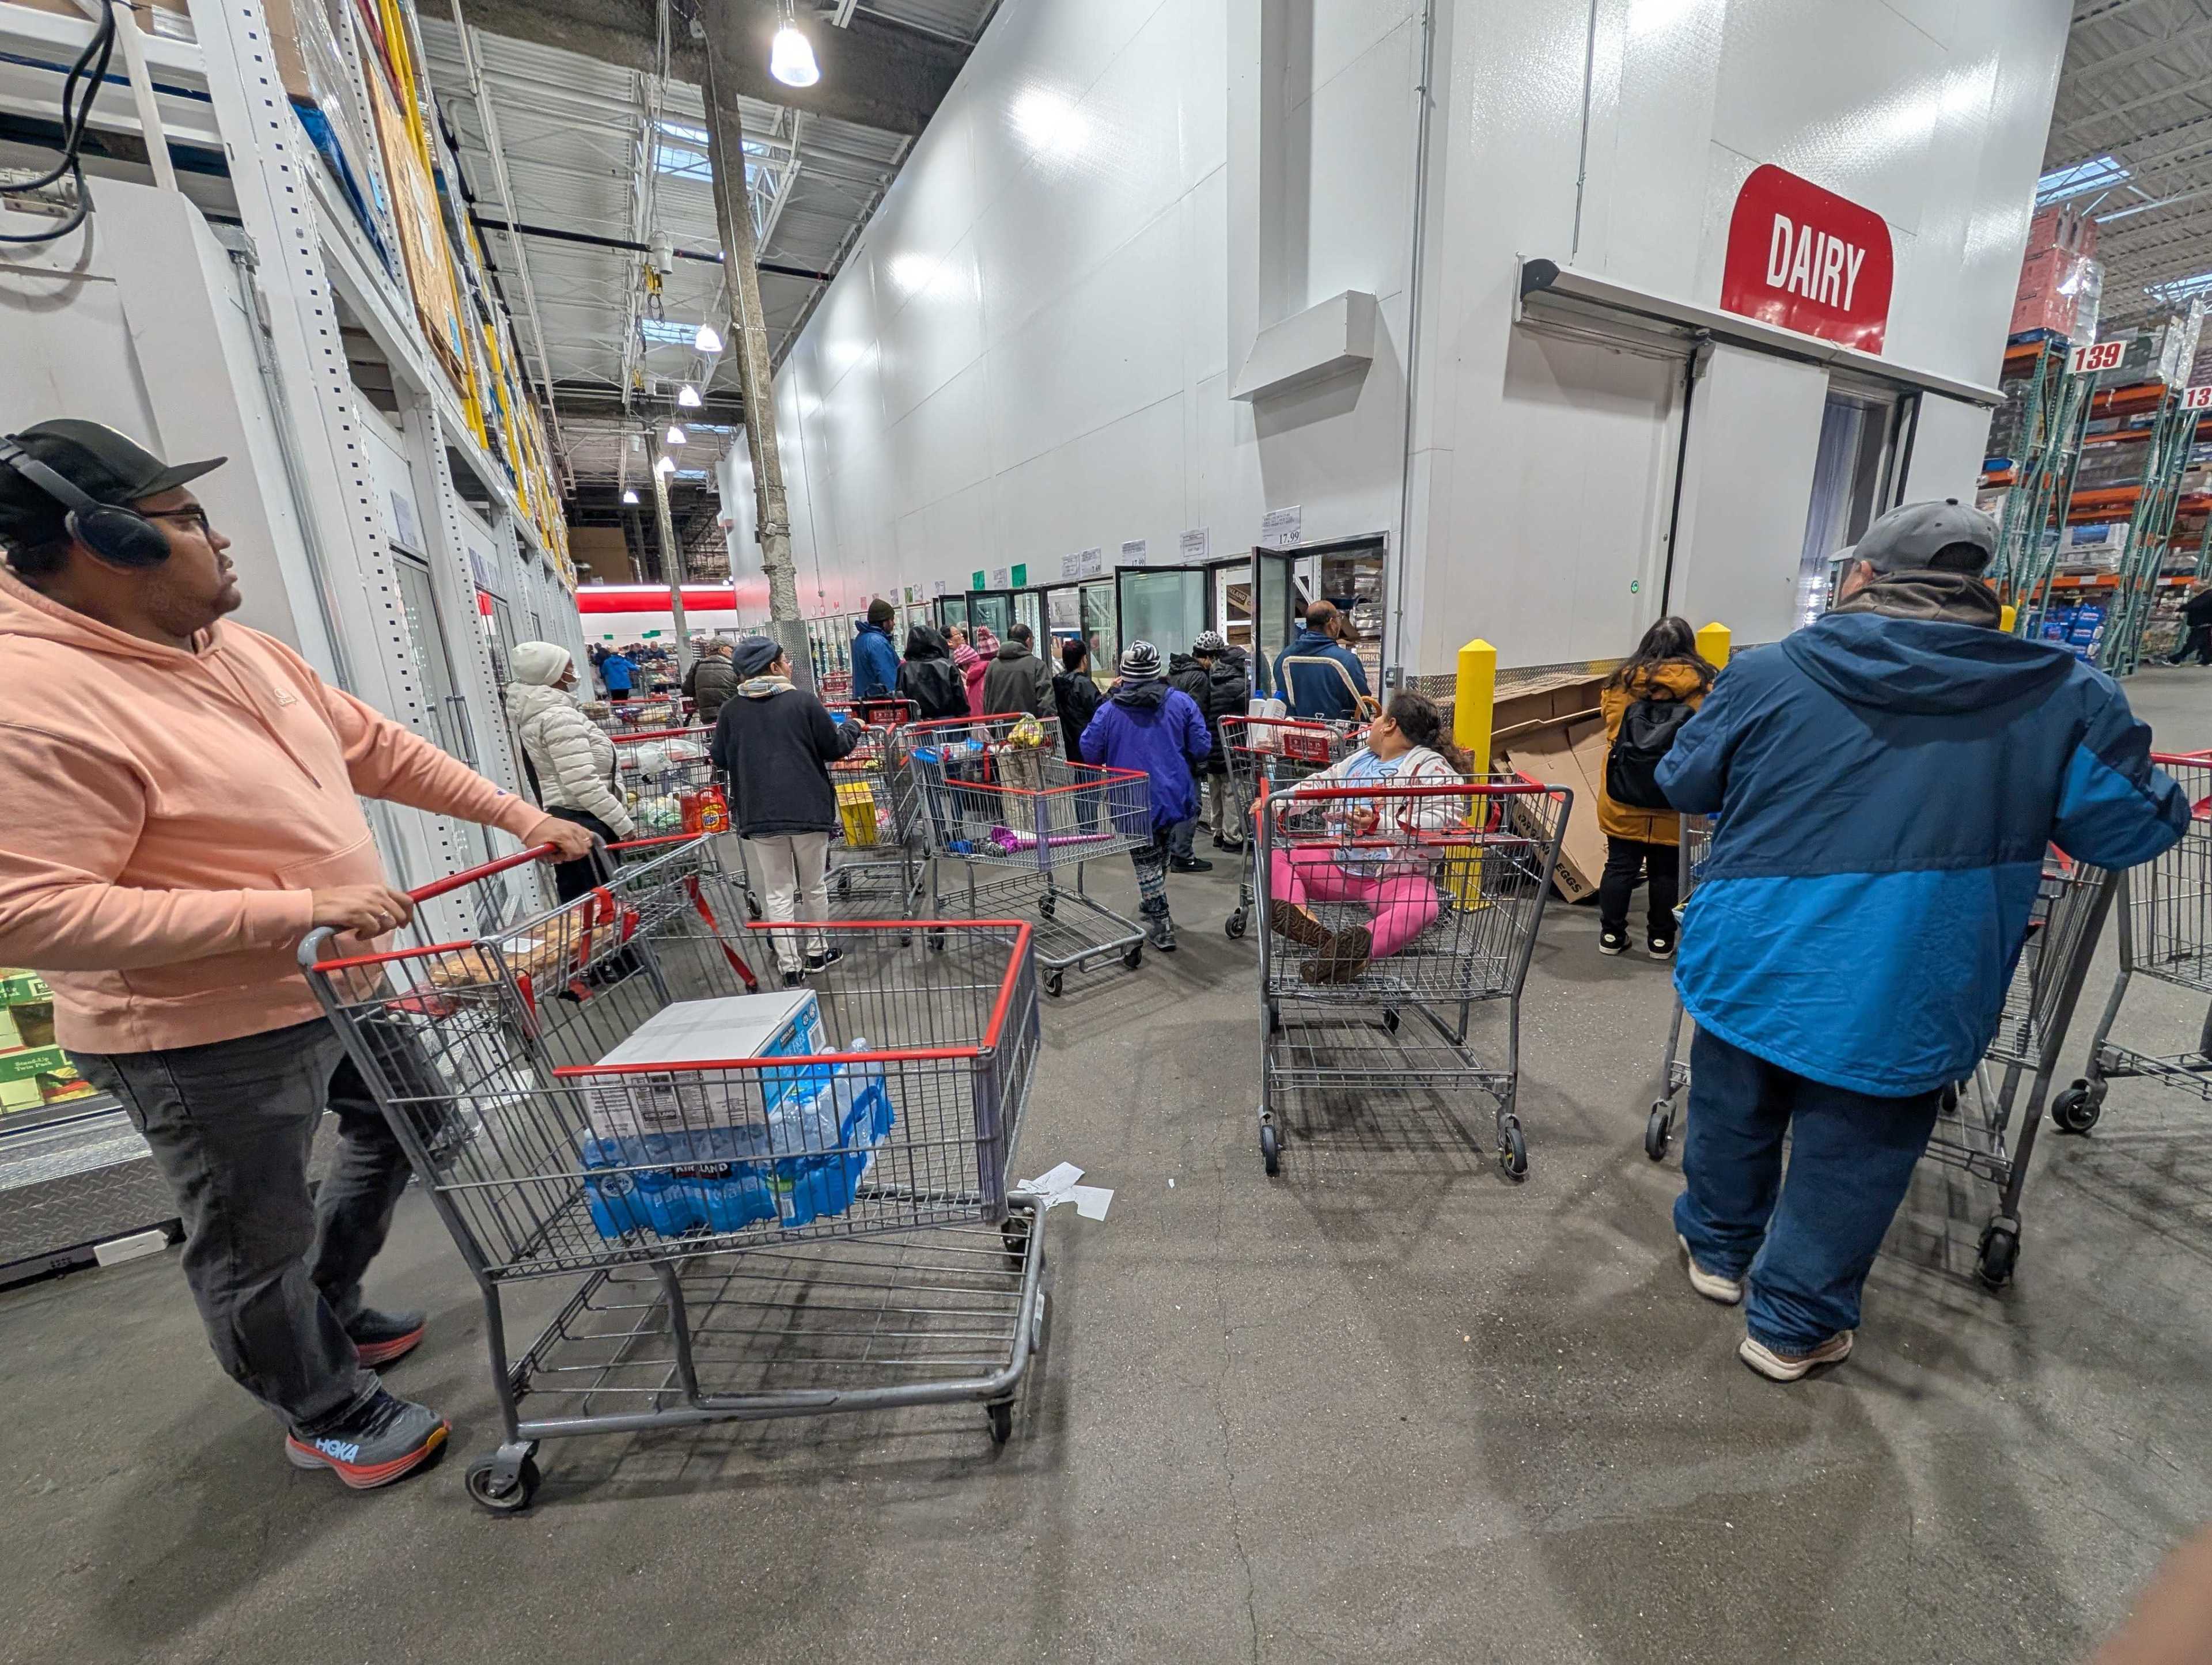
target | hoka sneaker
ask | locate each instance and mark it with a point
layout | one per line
(383, 1337)
(374, 1444)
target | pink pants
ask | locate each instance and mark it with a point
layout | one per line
(1404, 902)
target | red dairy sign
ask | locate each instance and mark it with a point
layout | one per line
(1808, 260)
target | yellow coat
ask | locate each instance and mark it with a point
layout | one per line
(1674, 676)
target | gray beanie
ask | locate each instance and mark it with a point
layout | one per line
(1140, 662)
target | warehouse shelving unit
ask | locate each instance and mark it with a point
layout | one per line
(389, 544)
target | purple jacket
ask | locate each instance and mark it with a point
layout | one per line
(1156, 729)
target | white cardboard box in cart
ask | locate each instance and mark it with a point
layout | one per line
(785, 1023)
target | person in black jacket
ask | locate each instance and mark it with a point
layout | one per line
(775, 741)
(1077, 697)
(1228, 694)
(929, 678)
(2197, 615)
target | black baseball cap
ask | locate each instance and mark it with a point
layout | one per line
(107, 466)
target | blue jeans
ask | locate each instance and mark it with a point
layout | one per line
(1807, 1244)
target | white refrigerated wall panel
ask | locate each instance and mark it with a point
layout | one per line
(395, 479)
(1747, 487)
(944, 445)
(936, 329)
(1359, 199)
(1949, 441)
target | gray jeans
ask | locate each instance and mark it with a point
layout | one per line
(276, 1272)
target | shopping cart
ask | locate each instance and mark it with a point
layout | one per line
(828, 1228)
(1387, 913)
(2165, 935)
(1696, 838)
(667, 777)
(877, 853)
(1980, 1114)
(1013, 820)
(620, 717)
(1279, 751)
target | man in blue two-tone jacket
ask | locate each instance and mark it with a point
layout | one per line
(875, 656)
(1885, 784)
(1317, 674)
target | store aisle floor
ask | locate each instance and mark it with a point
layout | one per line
(1387, 1407)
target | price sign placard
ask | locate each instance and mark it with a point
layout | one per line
(2198, 398)
(2098, 355)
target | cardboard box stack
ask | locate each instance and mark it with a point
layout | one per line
(2061, 279)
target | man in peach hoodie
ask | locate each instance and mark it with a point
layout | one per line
(182, 811)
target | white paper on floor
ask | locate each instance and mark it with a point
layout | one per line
(1057, 1185)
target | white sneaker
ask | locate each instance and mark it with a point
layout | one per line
(1789, 1366)
(1711, 1285)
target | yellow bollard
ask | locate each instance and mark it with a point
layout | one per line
(1713, 644)
(1475, 703)
(2008, 615)
(1475, 699)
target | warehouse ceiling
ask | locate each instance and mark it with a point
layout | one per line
(2132, 131)
(594, 111)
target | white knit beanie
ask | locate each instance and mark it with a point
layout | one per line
(538, 663)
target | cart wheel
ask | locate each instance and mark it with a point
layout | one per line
(1001, 1413)
(1659, 1131)
(1046, 904)
(2076, 1109)
(1053, 984)
(514, 1500)
(1949, 1100)
(937, 939)
(1271, 1150)
(906, 938)
(752, 904)
(1016, 1240)
(1135, 956)
(1391, 1020)
(1512, 1151)
(2000, 1253)
(1233, 927)
(844, 885)
(1274, 1017)
(1036, 1325)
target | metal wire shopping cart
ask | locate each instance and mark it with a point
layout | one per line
(668, 776)
(876, 849)
(1280, 752)
(1387, 915)
(2165, 935)
(826, 1227)
(620, 717)
(1981, 1115)
(1697, 838)
(1014, 821)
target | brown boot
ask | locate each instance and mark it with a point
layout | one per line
(1288, 920)
(1341, 958)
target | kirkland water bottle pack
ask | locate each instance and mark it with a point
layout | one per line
(742, 1146)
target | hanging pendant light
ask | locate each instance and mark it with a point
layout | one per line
(790, 54)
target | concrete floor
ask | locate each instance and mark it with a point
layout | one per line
(1387, 1407)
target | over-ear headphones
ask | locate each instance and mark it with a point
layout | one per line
(113, 533)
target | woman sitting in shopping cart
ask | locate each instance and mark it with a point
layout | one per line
(1406, 746)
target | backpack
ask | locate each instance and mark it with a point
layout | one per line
(1648, 729)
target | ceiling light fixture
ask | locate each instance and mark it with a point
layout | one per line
(664, 464)
(687, 396)
(675, 435)
(790, 54)
(707, 341)
(629, 493)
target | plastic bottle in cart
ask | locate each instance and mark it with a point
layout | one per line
(706, 811)
(837, 1127)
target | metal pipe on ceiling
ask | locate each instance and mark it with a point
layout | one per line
(626, 245)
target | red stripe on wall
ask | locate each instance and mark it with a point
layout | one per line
(653, 598)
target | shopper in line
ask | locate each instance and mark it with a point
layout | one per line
(1016, 680)
(1405, 746)
(185, 808)
(1651, 692)
(1188, 675)
(1887, 782)
(1146, 725)
(2196, 627)
(875, 659)
(1075, 695)
(984, 649)
(707, 684)
(617, 671)
(1317, 676)
(929, 678)
(1226, 692)
(567, 756)
(777, 742)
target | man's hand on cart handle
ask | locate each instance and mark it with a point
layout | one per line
(362, 910)
(572, 841)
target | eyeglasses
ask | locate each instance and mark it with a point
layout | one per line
(195, 515)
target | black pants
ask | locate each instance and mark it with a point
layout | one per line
(572, 879)
(1627, 859)
(2197, 642)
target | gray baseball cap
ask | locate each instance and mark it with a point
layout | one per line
(1909, 536)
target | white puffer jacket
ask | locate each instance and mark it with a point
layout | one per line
(573, 761)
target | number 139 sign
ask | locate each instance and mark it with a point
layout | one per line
(2197, 398)
(2098, 355)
